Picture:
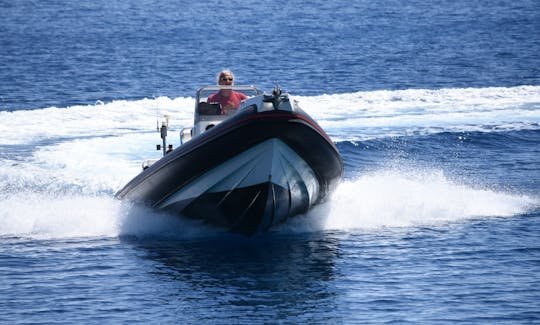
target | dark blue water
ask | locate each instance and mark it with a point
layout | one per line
(61, 54)
(435, 108)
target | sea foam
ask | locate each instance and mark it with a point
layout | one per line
(60, 167)
(380, 200)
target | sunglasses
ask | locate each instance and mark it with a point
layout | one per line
(226, 79)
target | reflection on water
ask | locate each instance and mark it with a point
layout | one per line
(278, 276)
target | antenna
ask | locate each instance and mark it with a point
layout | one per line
(157, 112)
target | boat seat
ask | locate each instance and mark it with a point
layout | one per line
(205, 108)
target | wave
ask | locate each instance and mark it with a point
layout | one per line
(59, 167)
(57, 216)
(378, 114)
(380, 200)
(349, 116)
(395, 198)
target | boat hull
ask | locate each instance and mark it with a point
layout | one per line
(247, 174)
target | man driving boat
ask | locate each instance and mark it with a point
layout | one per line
(227, 98)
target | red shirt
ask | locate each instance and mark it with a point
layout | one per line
(227, 102)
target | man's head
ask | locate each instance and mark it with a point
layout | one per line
(225, 78)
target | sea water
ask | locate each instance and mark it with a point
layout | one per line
(435, 108)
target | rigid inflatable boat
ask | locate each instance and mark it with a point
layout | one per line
(247, 170)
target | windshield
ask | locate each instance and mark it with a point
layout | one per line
(205, 92)
(222, 100)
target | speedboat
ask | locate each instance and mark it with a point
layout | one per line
(247, 170)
